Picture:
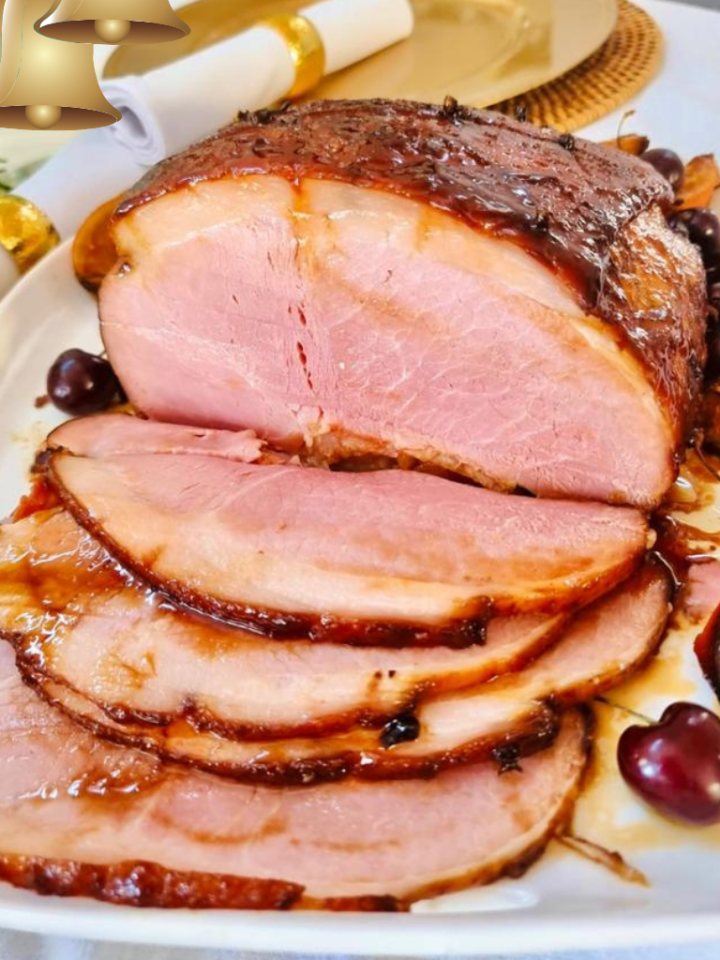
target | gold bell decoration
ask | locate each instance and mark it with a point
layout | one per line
(112, 21)
(45, 84)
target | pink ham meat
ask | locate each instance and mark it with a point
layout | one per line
(509, 718)
(79, 817)
(388, 556)
(74, 617)
(386, 277)
(110, 434)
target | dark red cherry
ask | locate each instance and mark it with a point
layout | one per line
(668, 164)
(702, 228)
(674, 765)
(80, 383)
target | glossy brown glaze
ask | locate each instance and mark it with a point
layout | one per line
(611, 860)
(41, 497)
(569, 204)
(139, 884)
(509, 178)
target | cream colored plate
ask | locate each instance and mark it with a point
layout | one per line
(480, 51)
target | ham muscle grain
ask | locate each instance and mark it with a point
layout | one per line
(74, 618)
(80, 817)
(506, 719)
(390, 277)
(387, 556)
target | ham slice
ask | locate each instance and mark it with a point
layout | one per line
(80, 817)
(110, 434)
(386, 277)
(385, 557)
(74, 617)
(509, 718)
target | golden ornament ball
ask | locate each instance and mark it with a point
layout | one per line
(43, 116)
(112, 31)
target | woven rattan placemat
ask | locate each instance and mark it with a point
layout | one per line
(612, 76)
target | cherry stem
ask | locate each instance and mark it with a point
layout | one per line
(623, 120)
(619, 706)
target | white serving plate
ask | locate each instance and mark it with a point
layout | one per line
(563, 902)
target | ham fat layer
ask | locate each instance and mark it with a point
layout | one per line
(393, 278)
(76, 813)
(360, 557)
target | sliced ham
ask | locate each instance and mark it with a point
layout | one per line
(80, 817)
(453, 733)
(74, 617)
(507, 719)
(109, 434)
(386, 277)
(386, 556)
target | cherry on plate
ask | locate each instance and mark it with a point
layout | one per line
(674, 765)
(81, 383)
(668, 164)
(702, 228)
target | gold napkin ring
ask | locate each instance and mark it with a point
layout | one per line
(25, 231)
(305, 47)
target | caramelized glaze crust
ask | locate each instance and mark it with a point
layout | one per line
(566, 200)
(140, 884)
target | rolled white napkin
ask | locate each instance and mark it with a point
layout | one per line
(169, 108)
(85, 173)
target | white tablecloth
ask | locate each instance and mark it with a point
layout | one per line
(680, 109)
(20, 946)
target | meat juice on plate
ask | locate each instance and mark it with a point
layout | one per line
(607, 811)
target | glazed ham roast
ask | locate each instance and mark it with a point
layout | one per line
(386, 556)
(241, 665)
(395, 278)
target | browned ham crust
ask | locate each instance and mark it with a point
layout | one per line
(139, 884)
